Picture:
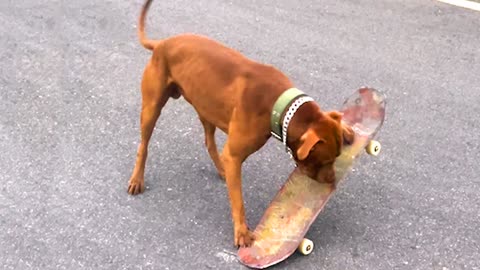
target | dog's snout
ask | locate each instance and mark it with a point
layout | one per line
(326, 174)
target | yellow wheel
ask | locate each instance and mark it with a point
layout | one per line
(306, 246)
(373, 148)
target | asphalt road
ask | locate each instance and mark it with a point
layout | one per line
(69, 116)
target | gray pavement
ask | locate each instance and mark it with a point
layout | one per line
(69, 115)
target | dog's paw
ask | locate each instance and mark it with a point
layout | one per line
(243, 237)
(136, 186)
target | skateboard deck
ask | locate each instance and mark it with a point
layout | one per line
(300, 200)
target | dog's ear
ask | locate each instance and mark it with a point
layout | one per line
(308, 141)
(336, 115)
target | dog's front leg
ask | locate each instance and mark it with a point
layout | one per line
(233, 168)
(246, 134)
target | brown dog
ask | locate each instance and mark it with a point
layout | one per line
(237, 95)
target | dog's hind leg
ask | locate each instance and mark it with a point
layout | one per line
(155, 95)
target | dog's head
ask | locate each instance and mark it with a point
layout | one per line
(321, 143)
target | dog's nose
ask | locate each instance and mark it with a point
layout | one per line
(331, 176)
(326, 175)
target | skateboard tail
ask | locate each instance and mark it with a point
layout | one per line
(247, 255)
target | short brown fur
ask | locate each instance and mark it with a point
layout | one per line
(235, 94)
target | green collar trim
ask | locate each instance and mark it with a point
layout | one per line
(279, 108)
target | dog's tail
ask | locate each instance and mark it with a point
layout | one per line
(147, 43)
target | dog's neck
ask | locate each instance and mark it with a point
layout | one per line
(284, 110)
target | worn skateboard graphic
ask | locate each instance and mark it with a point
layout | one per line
(295, 207)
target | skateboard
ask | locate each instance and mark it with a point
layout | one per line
(295, 207)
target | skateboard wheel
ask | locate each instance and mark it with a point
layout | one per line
(306, 246)
(373, 148)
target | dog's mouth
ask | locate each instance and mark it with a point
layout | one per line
(324, 174)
